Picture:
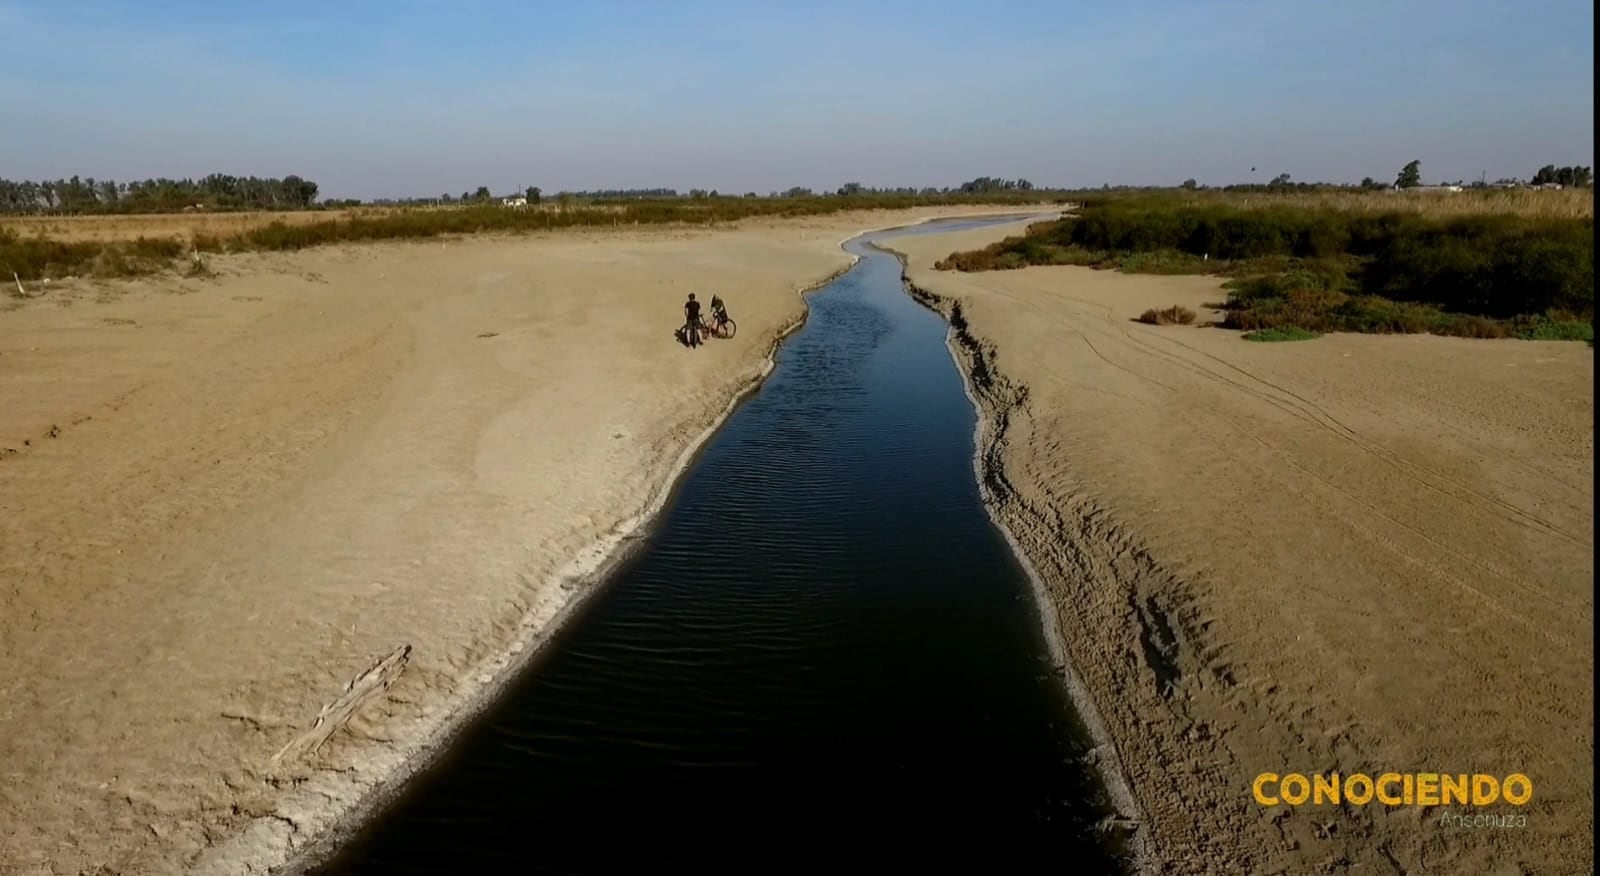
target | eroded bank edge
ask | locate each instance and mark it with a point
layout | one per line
(972, 363)
(581, 579)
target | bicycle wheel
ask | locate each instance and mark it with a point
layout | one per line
(726, 328)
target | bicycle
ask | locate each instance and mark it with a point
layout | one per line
(720, 326)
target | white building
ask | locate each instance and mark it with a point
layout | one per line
(518, 201)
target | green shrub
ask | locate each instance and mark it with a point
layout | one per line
(1161, 261)
(1396, 271)
(1554, 328)
(1287, 333)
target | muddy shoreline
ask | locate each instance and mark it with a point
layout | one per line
(263, 480)
(993, 398)
(1270, 558)
(584, 577)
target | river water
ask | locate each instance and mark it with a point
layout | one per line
(823, 657)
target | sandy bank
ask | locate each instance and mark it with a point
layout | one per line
(224, 498)
(1362, 554)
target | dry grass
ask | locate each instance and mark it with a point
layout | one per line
(1551, 204)
(1567, 203)
(216, 225)
(178, 226)
(43, 248)
(1174, 315)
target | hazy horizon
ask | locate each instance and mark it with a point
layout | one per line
(415, 100)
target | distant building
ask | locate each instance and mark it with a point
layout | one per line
(518, 201)
(1429, 189)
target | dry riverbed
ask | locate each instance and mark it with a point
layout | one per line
(224, 498)
(1354, 554)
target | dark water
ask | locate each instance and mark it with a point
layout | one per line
(824, 657)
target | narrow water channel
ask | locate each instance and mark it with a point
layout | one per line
(824, 656)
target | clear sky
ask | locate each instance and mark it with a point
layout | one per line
(398, 98)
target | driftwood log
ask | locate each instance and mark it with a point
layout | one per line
(336, 714)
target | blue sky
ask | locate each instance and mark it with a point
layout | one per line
(398, 98)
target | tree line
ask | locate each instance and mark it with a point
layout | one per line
(227, 192)
(981, 186)
(217, 191)
(1577, 177)
(1409, 177)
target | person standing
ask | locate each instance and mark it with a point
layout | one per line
(691, 325)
